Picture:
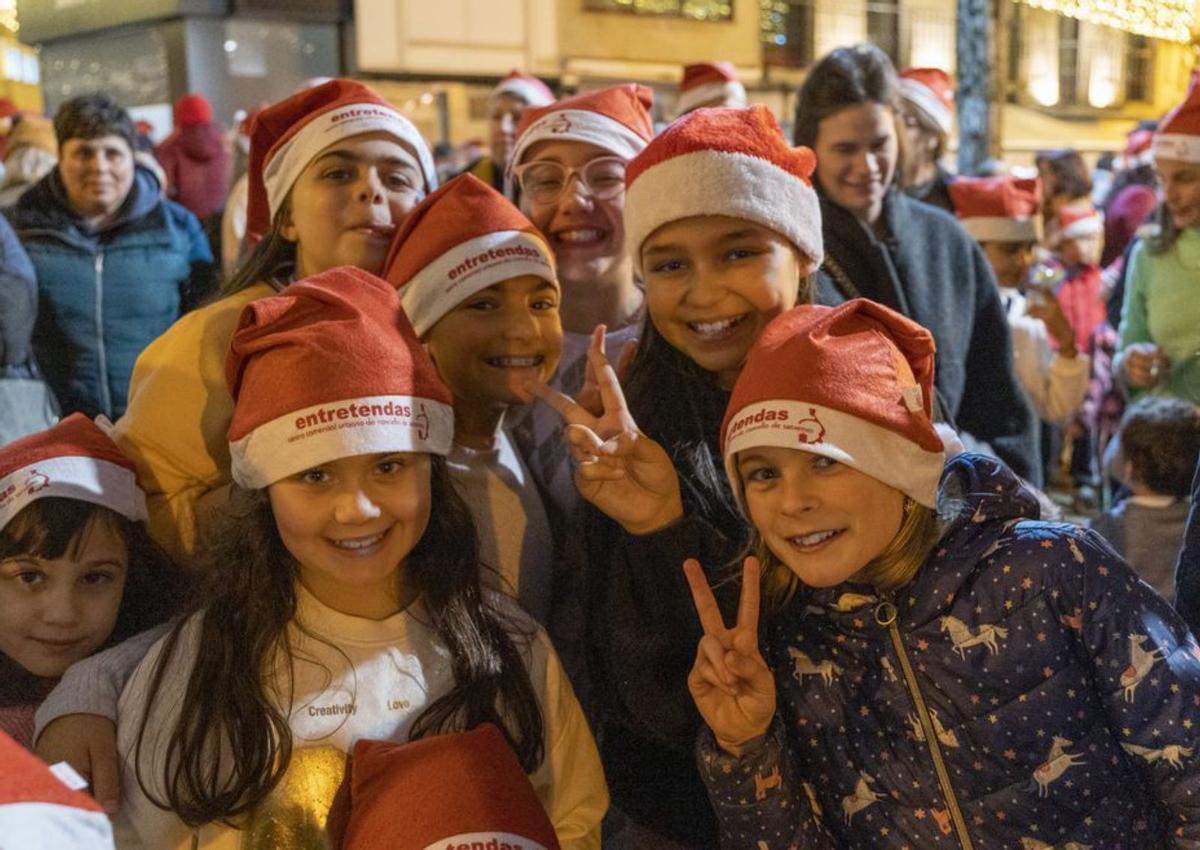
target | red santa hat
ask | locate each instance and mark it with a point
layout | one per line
(286, 136)
(930, 90)
(40, 809)
(704, 82)
(330, 368)
(463, 238)
(616, 119)
(731, 162)
(74, 459)
(526, 87)
(192, 109)
(1077, 221)
(1178, 135)
(998, 209)
(862, 395)
(459, 790)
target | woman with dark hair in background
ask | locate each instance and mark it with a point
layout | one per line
(881, 244)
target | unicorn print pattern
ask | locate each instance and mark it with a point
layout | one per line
(963, 638)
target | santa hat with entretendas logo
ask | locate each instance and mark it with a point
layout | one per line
(932, 92)
(863, 397)
(330, 368)
(998, 209)
(1178, 135)
(731, 162)
(286, 136)
(463, 238)
(616, 119)
(707, 81)
(74, 459)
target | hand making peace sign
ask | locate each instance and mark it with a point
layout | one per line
(732, 686)
(619, 469)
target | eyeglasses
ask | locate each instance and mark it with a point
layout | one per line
(545, 182)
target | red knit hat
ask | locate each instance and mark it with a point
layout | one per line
(1178, 135)
(931, 90)
(74, 459)
(853, 383)
(38, 809)
(732, 162)
(708, 81)
(526, 87)
(286, 136)
(330, 368)
(459, 790)
(463, 238)
(192, 109)
(1077, 221)
(616, 119)
(998, 209)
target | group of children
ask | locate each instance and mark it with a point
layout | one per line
(383, 537)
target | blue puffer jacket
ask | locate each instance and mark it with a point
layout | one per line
(1031, 693)
(104, 296)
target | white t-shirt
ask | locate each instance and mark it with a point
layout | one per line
(1054, 384)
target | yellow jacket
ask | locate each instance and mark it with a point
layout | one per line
(176, 424)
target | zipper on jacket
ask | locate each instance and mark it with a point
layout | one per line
(886, 615)
(102, 355)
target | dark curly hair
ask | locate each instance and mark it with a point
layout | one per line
(91, 116)
(1160, 438)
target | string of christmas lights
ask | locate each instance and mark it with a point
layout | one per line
(1170, 20)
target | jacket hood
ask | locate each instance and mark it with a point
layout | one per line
(201, 141)
(46, 205)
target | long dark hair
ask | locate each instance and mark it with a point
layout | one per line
(1165, 233)
(54, 528)
(228, 707)
(272, 259)
(846, 76)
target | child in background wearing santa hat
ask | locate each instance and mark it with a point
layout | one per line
(1002, 214)
(720, 257)
(1077, 239)
(346, 600)
(506, 104)
(927, 116)
(709, 84)
(77, 569)
(477, 281)
(933, 663)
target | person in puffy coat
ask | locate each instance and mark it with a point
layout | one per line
(195, 159)
(116, 264)
(938, 668)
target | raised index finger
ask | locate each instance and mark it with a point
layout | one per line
(702, 596)
(749, 603)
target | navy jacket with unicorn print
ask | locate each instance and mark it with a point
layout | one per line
(1030, 693)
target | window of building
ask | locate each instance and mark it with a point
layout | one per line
(695, 10)
(883, 26)
(1139, 68)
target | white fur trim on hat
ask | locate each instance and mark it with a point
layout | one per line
(533, 92)
(999, 228)
(470, 267)
(293, 156)
(920, 96)
(1093, 225)
(87, 479)
(580, 125)
(731, 91)
(711, 182)
(306, 438)
(1181, 146)
(39, 824)
(873, 450)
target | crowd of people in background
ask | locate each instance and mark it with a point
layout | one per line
(357, 492)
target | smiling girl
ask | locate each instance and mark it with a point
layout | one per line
(77, 571)
(346, 600)
(333, 171)
(937, 666)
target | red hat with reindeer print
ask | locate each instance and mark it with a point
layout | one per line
(465, 789)
(75, 459)
(460, 240)
(730, 162)
(616, 119)
(863, 396)
(330, 368)
(286, 136)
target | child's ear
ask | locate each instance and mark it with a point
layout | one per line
(287, 229)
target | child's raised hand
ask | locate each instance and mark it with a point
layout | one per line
(730, 683)
(589, 395)
(619, 469)
(87, 742)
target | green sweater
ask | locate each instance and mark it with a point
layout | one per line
(1162, 306)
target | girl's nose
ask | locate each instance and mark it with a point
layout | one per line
(355, 507)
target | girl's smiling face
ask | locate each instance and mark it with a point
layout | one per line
(351, 524)
(56, 611)
(826, 521)
(713, 283)
(857, 149)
